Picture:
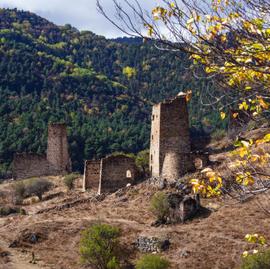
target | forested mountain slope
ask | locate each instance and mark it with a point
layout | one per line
(52, 73)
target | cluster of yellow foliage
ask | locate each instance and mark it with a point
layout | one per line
(211, 183)
(254, 106)
(245, 63)
(256, 239)
(129, 72)
(209, 186)
(244, 151)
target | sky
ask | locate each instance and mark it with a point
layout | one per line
(81, 14)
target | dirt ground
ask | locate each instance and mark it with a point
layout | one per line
(209, 241)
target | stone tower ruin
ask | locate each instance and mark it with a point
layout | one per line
(56, 161)
(170, 146)
(57, 148)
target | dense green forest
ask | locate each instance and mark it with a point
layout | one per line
(103, 89)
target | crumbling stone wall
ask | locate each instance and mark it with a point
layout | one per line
(54, 163)
(57, 148)
(116, 173)
(91, 175)
(170, 145)
(109, 174)
(28, 165)
(149, 243)
(182, 207)
(155, 165)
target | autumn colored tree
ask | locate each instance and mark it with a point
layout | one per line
(229, 39)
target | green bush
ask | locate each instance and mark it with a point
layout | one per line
(218, 134)
(151, 261)
(69, 180)
(7, 210)
(99, 247)
(22, 211)
(19, 191)
(159, 206)
(142, 161)
(28, 188)
(37, 187)
(260, 260)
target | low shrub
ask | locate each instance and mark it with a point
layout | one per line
(28, 188)
(218, 135)
(99, 247)
(159, 206)
(142, 162)
(261, 260)
(19, 191)
(37, 187)
(69, 180)
(6, 210)
(22, 212)
(151, 261)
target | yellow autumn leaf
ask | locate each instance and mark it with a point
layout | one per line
(243, 106)
(254, 158)
(188, 95)
(194, 181)
(267, 138)
(222, 115)
(263, 104)
(242, 152)
(219, 179)
(191, 20)
(235, 115)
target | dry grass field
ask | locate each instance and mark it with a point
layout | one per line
(210, 241)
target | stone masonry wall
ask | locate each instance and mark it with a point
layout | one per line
(30, 165)
(91, 175)
(57, 149)
(56, 162)
(116, 173)
(146, 243)
(170, 140)
(155, 142)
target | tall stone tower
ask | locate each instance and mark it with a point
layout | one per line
(57, 149)
(170, 140)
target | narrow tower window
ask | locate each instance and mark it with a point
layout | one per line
(128, 174)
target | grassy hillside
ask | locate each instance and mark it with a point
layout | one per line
(52, 73)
